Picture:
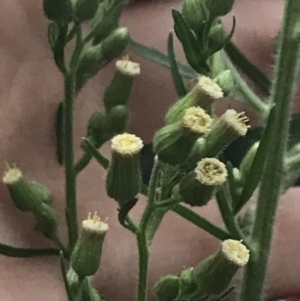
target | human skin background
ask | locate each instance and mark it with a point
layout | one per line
(30, 90)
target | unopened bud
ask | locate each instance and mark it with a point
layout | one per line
(86, 9)
(198, 186)
(215, 273)
(86, 257)
(27, 195)
(203, 94)
(106, 20)
(187, 283)
(95, 128)
(167, 288)
(58, 10)
(46, 221)
(217, 38)
(218, 8)
(174, 142)
(225, 81)
(115, 44)
(116, 121)
(93, 58)
(192, 11)
(247, 161)
(123, 178)
(119, 89)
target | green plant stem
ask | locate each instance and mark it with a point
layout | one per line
(82, 162)
(224, 202)
(252, 99)
(272, 177)
(61, 246)
(142, 241)
(11, 251)
(70, 174)
(200, 221)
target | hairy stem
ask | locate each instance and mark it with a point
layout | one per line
(272, 177)
(70, 174)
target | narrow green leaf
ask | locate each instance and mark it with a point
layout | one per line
(158, 57)
(228, 39)
(90, 148)
(26, 253)
(59, 48)
(177, 79)
(189, 43)
(239, 59)
(59, 134)
(200, 221)
(53, 33)
(231, 182)
(257, 167)
(64, 275)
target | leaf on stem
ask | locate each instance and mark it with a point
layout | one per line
(64, 275)
(249, 68)
(161, 58)
(177, 78)
(189, 43)
(124, 210)
(11, 251)
(257, 167)
(90, 148)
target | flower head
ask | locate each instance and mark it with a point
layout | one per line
(235, 252)
(94, 224)
(127, 67)
(236, 121)
(126, 144)
(196, 120)
(208, 87)
(11, 175)
(211, 172)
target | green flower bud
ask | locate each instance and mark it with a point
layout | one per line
(247, 161)
(86, 257)
(230, 126)
(218, 8)
(26, 195)
(95, 128)
(246, 221)
(86, 9)
(174, 142)
(295, 150)
(115, 43)
(46, 221)
(123, 178)
(192, 11)
(106, 20)
(198, 186)
(203, 94)
(95, 57)
(58, 10)
(225, 81)
(215, 273)
(167, 288)
(116, 121)
(187, 283)
(119, 89)
(217, 38)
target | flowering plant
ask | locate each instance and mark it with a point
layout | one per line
(190, 169)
